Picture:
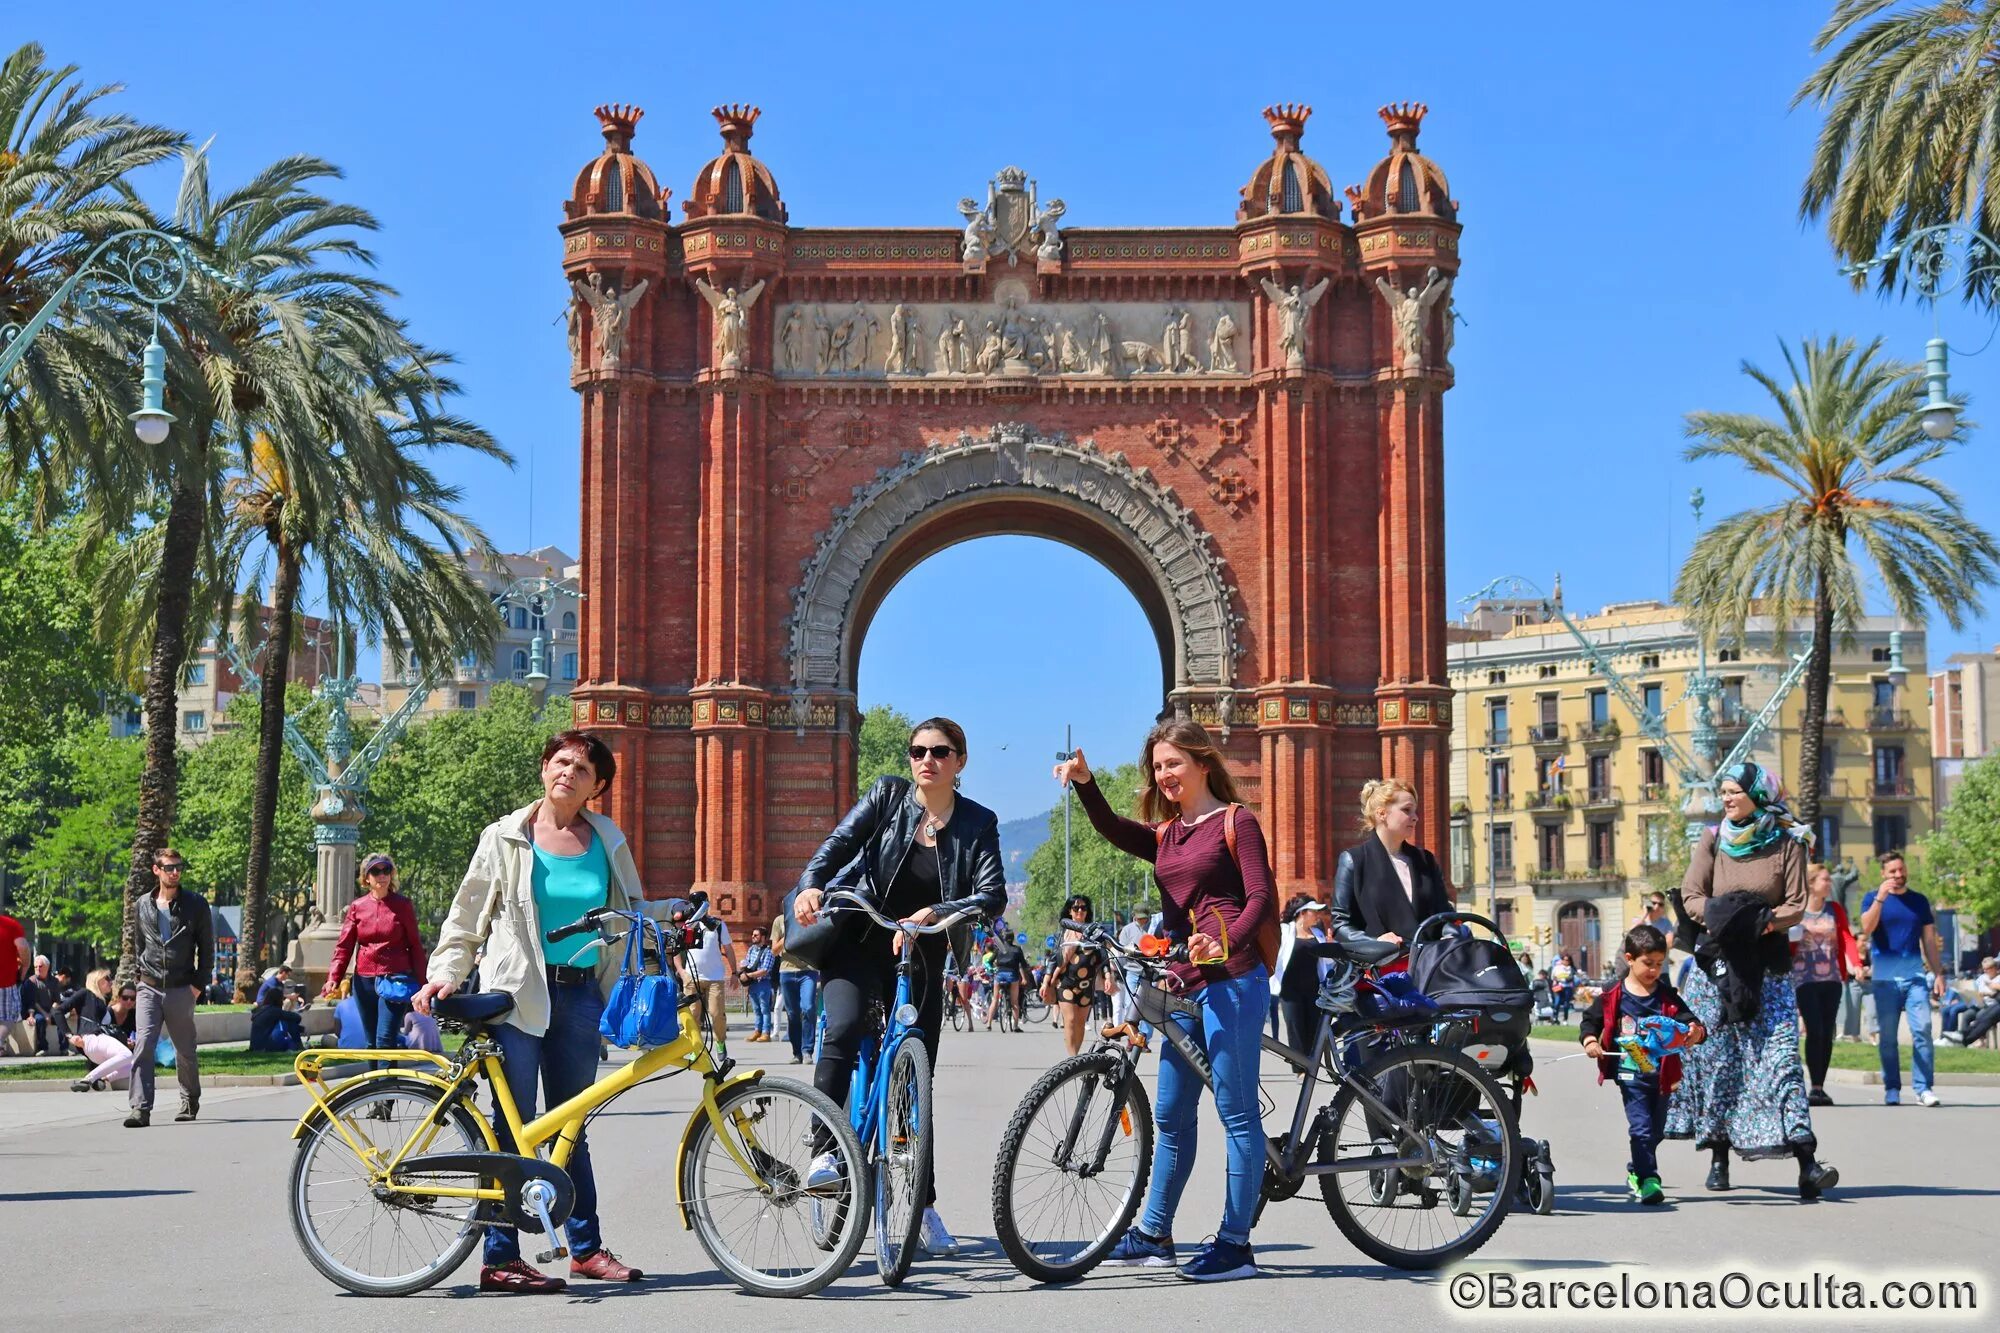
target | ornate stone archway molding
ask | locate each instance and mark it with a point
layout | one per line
(1012, 459)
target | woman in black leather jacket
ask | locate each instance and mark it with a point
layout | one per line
(920, 852)
(1385, 885)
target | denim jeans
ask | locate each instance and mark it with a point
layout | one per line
(1895, 997)
(1231, 1034)
(760, 1003)
(381, 1019)
(801, 1015)
(563, 1061)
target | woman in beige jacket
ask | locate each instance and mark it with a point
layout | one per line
(540, 867)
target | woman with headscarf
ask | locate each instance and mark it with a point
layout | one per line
(1745, 1087)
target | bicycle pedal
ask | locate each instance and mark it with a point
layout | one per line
(550, 1256)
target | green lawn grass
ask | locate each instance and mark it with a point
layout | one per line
(1850, 1054)
(214, 1060)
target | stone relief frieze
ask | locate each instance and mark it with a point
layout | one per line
(1013, 458)
(1008, 339)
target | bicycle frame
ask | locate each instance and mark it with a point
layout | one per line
(869, 1089)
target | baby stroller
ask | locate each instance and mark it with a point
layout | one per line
(1463, 970)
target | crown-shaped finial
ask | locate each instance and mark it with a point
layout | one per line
(1404, 119)
(1010, 178)
(619, 123)
(738, 120)
(1288, 122)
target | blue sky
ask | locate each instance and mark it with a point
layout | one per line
(1628, 176)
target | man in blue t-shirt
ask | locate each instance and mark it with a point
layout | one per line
(1902, 940)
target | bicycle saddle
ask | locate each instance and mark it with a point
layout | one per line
(480, 1006)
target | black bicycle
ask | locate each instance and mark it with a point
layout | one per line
(1412, 1129)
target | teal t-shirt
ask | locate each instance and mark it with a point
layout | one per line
(565, 888)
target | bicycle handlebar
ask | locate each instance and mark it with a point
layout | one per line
(595, 918)
(1101, 935)
(868, 909)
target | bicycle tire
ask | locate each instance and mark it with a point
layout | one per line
(952, 1008)
(320, 1134)
(1035, 1009)
(1008, 1228)
(908, 1112)
(1501, 1110)
(851, 1224)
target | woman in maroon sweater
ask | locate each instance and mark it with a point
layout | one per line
(1220, 900)
(379, 934)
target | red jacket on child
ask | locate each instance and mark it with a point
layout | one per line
(1602, 1017)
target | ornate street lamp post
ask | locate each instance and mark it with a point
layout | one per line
(1930, 260)
(144, 265)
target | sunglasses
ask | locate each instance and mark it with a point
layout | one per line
(934, 751)
(380, 868)
(175, 866)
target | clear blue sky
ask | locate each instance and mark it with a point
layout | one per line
(1629, 181)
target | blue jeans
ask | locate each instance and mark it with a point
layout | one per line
(1894, 997)
(381, 1019)
(760, 1003)
(1231, 1035)
(801, 994)
(1645, 1119)
(563, 1061)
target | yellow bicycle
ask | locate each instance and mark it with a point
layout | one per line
(398, 1172)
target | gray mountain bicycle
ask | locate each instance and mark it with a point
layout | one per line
(1413, 1131)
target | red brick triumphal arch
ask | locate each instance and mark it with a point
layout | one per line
(1243, 422)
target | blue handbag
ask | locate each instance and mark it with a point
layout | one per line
(397, 987)
(644, 1008)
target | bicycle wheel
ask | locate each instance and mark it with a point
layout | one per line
(952, 1009)
(1073, 1166)
(903, 1172)
(1460, 1122)
(760, 1228)
(382, 1245)
(1035, 1009)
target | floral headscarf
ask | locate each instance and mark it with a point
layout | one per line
(1772, 820)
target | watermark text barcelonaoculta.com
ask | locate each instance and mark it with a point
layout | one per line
(1746, 1292)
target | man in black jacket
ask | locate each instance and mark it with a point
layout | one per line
(176, 954)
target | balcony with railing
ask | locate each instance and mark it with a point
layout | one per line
(1599, 733)
(1602, 798)
(1836, 717)
(1547, 801)
(1888, 719)
(1731, 715)
(1893, 789)
(1548, 733)
(1499, 735)
(1652, 793)
(1835, 789)
(1503, 874)
(1500, 800)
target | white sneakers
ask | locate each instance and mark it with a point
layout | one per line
(938, 1243)
(1929, 1098)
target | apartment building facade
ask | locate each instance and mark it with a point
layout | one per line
(512, 659)
(1564, 813)
(1964, 715)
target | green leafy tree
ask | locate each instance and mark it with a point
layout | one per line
(212, 828)
(57, 676)
(1961, 857)
(64, 164)
(1108, 876)
(73, 872)
(884, 747)
(1912, 100)
(1848, 458)
(450, 777)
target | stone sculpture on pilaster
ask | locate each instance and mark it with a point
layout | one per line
(609, 310)
(732, 310)
(1294, 306)
(1410, 312)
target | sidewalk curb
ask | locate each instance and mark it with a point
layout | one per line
(208, 1081)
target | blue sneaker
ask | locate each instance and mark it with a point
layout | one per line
(1220, 1261)
(1136, 1249)
(1893, 1097)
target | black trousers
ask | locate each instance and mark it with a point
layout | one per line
(1301, 1023)
(1819, 1006)
(860, 977)
(1974, 1026)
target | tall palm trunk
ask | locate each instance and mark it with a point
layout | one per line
(159, 780)
(1812, 728)
(270, 753)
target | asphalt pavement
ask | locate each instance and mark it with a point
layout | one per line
(184, 1226)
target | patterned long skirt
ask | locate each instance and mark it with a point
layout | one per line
(1744, 1088)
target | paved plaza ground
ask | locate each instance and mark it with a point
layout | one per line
(183, 1226)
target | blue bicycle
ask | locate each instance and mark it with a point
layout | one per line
(888, 1103)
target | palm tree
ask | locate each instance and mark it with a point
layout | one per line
(365, 513)
(1848, 457)
(63, 168)
(1912, 129)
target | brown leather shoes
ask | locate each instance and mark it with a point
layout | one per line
(603, 1265)
(518, 1279)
